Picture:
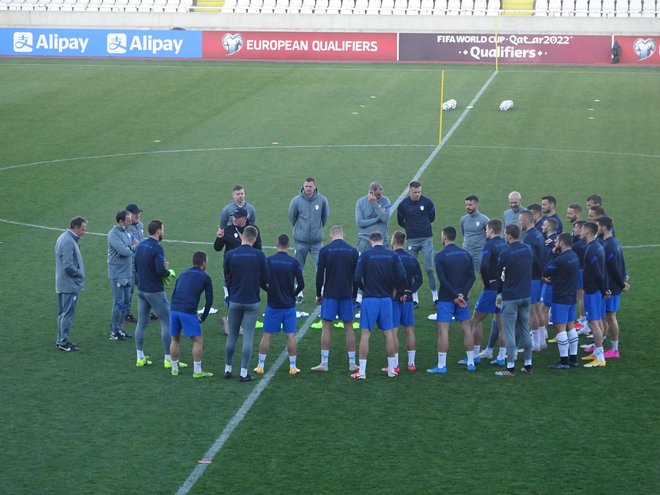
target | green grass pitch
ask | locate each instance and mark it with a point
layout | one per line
(89, 137)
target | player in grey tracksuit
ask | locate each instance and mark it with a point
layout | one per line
(308, 213)
(69, 280)
(121, 247)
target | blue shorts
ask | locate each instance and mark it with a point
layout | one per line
(486, 302)
(563, 313)
(613, 304)
(580, 278)
(278, 319)
(594, 306)
(536, 291)
(344, 309)
(546, 295)
(186, 322)
(447, 309)
(376, 311)
(403, 313)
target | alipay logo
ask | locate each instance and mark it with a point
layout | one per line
(23, 42)
(117, 43)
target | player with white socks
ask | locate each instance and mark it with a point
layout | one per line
(285, 282)
(455, 271)
(562, 271)
(335, 293)
(379, 274)
(595, 291)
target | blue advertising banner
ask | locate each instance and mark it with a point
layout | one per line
(117, 43)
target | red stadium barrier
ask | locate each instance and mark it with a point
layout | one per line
(242, 45)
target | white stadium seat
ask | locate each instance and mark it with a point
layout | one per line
(648, 8)
(493, 7)
(581, 8)
(621, 8)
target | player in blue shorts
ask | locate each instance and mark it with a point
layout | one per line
(335, 293)
(617, 281)
(183, 312)
(595, 291)
(486, 302)
(379, 273)
(455, 271)
(285, 282)
(562, 271)
(402, 305)
(534, 239)
(550, 232)
(579, 247)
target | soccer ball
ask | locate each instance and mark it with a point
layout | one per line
(449, 105)
(506, 105)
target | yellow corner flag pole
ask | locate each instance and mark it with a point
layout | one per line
(442, 97)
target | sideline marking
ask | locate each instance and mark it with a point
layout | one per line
(254, 395)
(212, 150)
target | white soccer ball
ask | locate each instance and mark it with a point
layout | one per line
(449, 105)
(506, 105)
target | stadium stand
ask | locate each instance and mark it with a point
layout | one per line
(577, 8)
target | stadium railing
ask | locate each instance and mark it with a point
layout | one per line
(577, 8)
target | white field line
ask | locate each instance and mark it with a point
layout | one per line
(254, 395)
(201, 243)
(212, 150)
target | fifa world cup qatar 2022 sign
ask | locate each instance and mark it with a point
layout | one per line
(526, 48)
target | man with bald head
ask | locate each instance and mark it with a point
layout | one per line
(510, 216)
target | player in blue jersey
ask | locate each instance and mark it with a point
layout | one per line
(402, 304)
(245, 271)
(617, 281)
(285, 282)
(455, 271)
(152, 267)
(534, 239)
(515, 265)
(183, 312)
(486, 302)
(562, 271)
(379, 273)
(579, 247)
(595, 292)
(540, 336)
(415, 214)
(549, 210)
(335, 292)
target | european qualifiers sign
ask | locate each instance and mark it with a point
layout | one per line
(250, 45)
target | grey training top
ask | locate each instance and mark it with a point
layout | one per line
(69, 268)
(372, 217)
(473, 228)
(225, 214)
(510, 216)
(308, 216)
(120, 253)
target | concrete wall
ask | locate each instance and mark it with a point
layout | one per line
(636, 26)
